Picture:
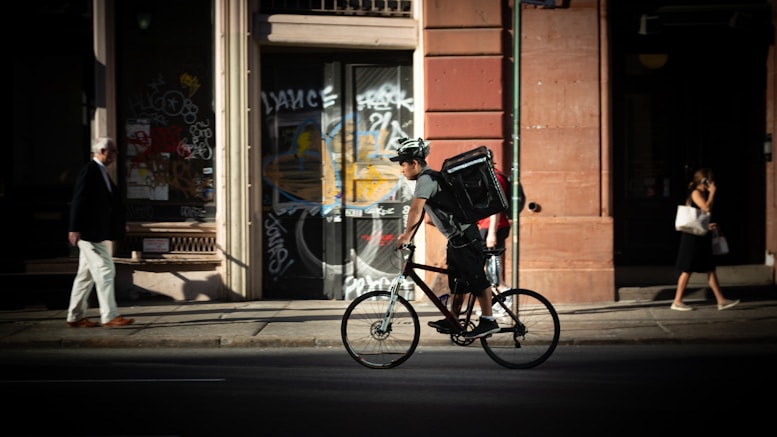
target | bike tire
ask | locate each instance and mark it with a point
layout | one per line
(529, 336)
(362, 338)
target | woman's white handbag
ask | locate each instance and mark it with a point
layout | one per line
(692, 220)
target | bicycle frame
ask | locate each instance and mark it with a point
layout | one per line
(409, 271)
(381, 329)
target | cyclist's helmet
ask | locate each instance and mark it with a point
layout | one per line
(411, 148)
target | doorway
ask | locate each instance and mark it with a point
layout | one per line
(689, 91)
(332, 202)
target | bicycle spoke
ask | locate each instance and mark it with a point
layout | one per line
(364, 337)
(528, 336)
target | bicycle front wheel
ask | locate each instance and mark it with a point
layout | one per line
(529, 335)
(373, 343)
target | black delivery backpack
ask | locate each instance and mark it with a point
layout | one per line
(472, 178)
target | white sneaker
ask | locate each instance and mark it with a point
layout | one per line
(682, 307)
(496, 310)
(727, 304)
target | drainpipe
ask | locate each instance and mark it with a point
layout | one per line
(516, 173)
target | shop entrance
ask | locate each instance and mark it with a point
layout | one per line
(332, 202)
(689, 91)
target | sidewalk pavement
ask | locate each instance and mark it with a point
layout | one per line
(162, 322)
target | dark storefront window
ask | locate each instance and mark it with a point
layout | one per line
(165, 109)
(52, 87)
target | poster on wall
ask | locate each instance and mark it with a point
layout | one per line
(138, 136)
(142, 176)
(141, 183)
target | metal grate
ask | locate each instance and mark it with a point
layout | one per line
(378, 8)
(193, 244)
(178, 244)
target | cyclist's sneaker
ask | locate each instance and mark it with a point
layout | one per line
(442, 325)
(484, 328)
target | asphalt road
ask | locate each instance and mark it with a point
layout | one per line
(457, 391)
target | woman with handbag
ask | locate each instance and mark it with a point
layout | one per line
(695, 252)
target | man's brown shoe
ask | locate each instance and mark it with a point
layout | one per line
(118, 321)
(83, 323)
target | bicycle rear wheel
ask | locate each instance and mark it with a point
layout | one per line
(372, 346)
(528, 336)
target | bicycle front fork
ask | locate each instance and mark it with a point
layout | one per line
(389, 314)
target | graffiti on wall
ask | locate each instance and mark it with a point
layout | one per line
(169, 148)
(292, 247)
(326, 159)
(307, 169)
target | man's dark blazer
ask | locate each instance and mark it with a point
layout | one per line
(95, 212)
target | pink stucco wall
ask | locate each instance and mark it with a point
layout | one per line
(566, 248)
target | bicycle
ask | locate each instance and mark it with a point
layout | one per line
(380, 329)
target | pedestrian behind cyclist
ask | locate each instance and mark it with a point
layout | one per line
(494, 230)
(695, 252)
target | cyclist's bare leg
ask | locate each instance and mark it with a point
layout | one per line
(456, 303)
(485, 302)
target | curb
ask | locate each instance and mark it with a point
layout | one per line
(314, 342)
(696, 291)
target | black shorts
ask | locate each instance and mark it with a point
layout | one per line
(467, 263)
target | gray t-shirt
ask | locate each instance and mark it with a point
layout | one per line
(425, 188)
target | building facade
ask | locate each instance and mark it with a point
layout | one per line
(255, 136)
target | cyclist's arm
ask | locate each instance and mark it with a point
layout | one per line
(413, 217)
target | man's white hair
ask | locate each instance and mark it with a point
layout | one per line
(101, 143)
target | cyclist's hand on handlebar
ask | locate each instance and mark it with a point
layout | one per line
(405, 246)
(402, 241)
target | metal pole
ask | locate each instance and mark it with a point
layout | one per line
(516, 173)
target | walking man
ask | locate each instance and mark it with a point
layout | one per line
(97, 216)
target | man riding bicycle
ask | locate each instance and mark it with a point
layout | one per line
(465, 246)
